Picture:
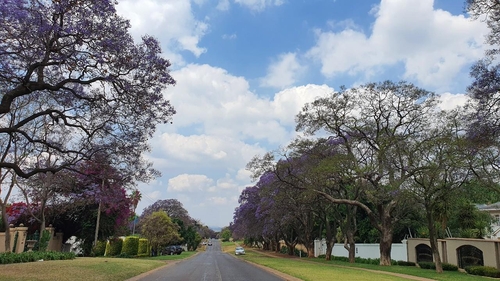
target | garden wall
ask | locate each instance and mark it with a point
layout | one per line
(398, 252)
(21, 232)
(461, 252)
(55, 243)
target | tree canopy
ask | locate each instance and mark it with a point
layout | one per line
(159, 229)
(74, 68)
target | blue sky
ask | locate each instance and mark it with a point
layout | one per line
(244, 68)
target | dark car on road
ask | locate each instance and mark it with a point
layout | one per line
(172, 250)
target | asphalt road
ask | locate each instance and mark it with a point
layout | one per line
(211, 265)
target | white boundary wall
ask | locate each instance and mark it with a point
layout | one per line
(399, 251)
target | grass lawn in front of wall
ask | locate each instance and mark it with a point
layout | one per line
(322, 270)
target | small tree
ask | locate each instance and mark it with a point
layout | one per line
(225, 234)
(159, 229)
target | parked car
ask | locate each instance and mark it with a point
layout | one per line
(172, 250)
(239, 251)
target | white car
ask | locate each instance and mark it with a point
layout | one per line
(239, 251)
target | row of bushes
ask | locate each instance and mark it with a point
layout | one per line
(425, 265)
(131, 246)
(474, 270)
(483, 271)
(431, 265)
(364, 260)
(6, 258)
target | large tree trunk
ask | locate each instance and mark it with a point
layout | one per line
(433, 241)
(385, 239)
(331, 237)
(277, 241)
(290, 246)
(290, 240)
(350, 229)
(350, 246)
(329, 249)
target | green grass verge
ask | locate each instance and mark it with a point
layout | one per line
(83, 269)
(319, 269)
(315, 271)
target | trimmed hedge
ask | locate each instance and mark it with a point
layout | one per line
(483, 271)
(362, 260)
(130, 246)
(431, 265)
(369, 261)
(143, 249)
(114, 247)
(99, 249)
(405, 263)
(6, 258)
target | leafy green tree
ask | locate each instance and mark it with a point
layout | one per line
(444, 159)
(378, 125)
(225, 234)
(160, 231)
(466, 221)
(188, 235)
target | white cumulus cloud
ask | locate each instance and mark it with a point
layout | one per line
(283, 73)
(189, 183)
(433, 45)
(172, 22)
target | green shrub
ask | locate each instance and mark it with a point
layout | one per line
(449, 267)
(340, 258)
(432, 265)
(427, 265)
(6, 258)
(130, 246)
(143, 247)
(44, 241)
(299, 253)
(114, 247)
(483, 271)
(284, 250)
(405, 263)
(322, 256)
(99, 249)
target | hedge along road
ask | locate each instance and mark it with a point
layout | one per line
(211, 265)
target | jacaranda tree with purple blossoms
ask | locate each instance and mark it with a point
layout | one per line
(98, 203)
(245, 221)
(325, 165)
(379, 124)
(318, 167)
(82, 74)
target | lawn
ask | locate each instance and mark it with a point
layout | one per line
(306, 268)
(105, 269)
(118, 269)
